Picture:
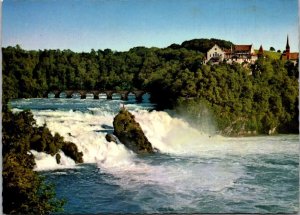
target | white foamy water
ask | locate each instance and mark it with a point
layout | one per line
(47, 162)
(168, 134)
(193, 172)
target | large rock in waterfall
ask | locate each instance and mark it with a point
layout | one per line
(130, 133)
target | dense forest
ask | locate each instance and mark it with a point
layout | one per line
(29, 73)
(262, 97)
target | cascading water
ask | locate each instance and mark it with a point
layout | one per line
(194, 171)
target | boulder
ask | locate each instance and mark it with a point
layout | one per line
(130, 133)
(71, 150)
(57, 157)
(111, 138)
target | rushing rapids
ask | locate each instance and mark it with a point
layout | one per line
(194, 171)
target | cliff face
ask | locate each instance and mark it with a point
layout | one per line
(130, 133)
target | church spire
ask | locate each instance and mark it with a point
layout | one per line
(287, 48)
(260, 52)
(287, 43)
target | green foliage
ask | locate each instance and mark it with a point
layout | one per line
(21, 135)
(261, 96)
(24, 191)
(271, 54)
(272, 49)
(32, 73)
(203, 45)
(245, 104)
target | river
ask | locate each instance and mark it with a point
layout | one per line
(193, 173)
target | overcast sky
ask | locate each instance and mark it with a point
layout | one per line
(82, 25)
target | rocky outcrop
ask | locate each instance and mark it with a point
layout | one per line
(71, 150)
(111, 138)
(130, 133)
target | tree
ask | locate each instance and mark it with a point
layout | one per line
(272, 49)
(24, 191)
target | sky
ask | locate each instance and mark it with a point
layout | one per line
(82, 25)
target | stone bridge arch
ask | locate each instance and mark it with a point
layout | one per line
(139, 95)
(109, 93)
(55, 92)
(123, 94)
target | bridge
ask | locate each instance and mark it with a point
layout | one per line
(109, 93)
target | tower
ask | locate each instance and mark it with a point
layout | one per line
(260, 52)
(287, 48)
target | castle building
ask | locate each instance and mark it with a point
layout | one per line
(243, 53)
(237, 53)
(215, 54)
(287, 55)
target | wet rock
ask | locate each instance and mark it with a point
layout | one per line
(130, 133)
(57, 157)
(111, 138)
(71, 150)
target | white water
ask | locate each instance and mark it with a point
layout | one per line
(192, 163)
(168, 134)
(45, 161)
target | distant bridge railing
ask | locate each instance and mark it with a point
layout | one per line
(109, 93)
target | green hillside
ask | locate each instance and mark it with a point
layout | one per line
(202, 45)
(271, 55)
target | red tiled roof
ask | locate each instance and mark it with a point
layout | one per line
(242, 47)
(293, 56)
